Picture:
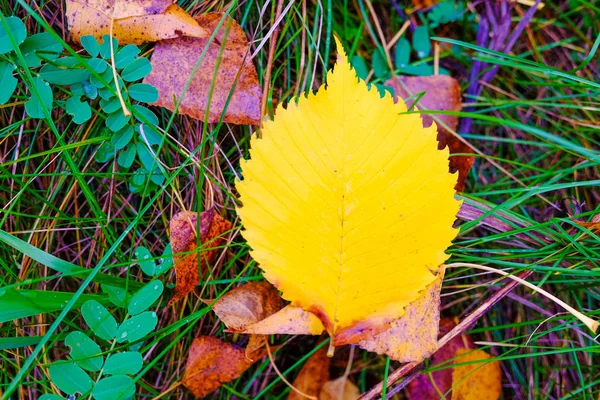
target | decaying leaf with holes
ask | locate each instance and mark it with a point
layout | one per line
(183, 235)
(313, 375)
(246, 305)
(412, 337)
(213, 362)
(450, 380)
(225, 85)
(134, 21)
(442, 92)
(348, 205)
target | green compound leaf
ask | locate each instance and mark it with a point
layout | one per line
(137, 327)
(100, 321)
(166, 261)
(8, 83)
(380, 66)
(127, 156)
(421, 42)
(107, 76)
(89, 90)
(144, 258)
(402, 53)
(80, 110)
(99, 66)
(118, 387)
(136, 70)
(70, 378)
(90, 44)
(143, 92)
(117, 120)
(125, 363)
(14, 28)
(144, 115)
(40, 47)
(84, 351)
(145, 297)
(105, 152)
(51, 397)
(36, 106)
(105, 47)
(116, 295)
(122, 137)
(151, 134)
(111, 105)
(360, 66)
(126, 55)
(64, 71)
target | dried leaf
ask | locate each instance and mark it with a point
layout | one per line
(313, 375)
(289, 321)
(593, 225)
(173, 62)
(477, 381)
(339, 389)
(348, 205)
(412, 337)
(211, 363)
(246, 305)
(135, 21)
(183, 240)
(424, 3)
(442, 93)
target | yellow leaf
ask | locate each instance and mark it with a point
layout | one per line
(348, 205)
(289, 320)
(339, 389)
(478, 381)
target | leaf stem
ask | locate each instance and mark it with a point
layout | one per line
(126, 112)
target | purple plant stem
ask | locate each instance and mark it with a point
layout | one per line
(500, 33)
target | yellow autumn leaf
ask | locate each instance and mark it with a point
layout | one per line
(348, 205)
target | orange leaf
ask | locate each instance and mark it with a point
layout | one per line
(313, 375)
(211, 363)
(246, 305)
(593, 225)
(442, 93)
(436, 384)
(135, 21)
(477, 381)
(412, 337)
(224, 71)
(183, 240)
(290, 320)
(339, 389)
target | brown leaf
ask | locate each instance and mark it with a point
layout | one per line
(211, 363)
(246, 305)
(135, 21)
(290, 320)
(424, 3)
(442, 93)
(477, 381)
(593, 225)
(313, 375)
(183, 239)
(173, 62)
(339, 389)
(412, 337)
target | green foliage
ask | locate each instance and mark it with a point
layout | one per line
(111, 379)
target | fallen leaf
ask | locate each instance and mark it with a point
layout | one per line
(424, 3)
(246, 305)
(436, 384)
(135, 21)
(290, 320)
(339, 389)
(313, 375)
(442, 92)
(229, 69)
(211, 363)
(348, 205)
(183, 240)
(477, 381)
(412, 337)
(593, 225)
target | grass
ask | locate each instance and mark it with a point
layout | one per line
(537, 119)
